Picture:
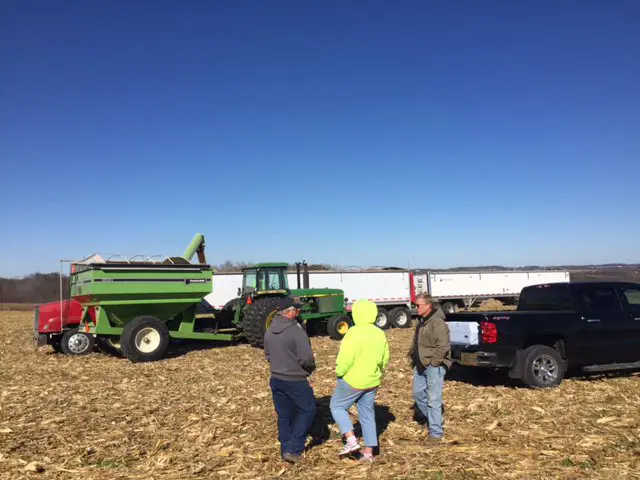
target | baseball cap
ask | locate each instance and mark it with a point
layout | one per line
(287, 302)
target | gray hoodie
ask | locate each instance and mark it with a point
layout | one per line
(288, 350)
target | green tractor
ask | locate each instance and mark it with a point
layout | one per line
(257, 304)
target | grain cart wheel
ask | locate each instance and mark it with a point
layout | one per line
(144, 339)
(449, 307)
(257, 318)
(382, 320)
(337, 327)
(543, 367)
(75, 342)
(400, 317)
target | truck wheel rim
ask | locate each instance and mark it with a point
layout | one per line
(401, 318)
(343, 328)
(381, 320)
(147, 340)
(78, 343)
(545, 369)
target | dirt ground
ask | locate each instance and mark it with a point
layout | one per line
(207, 413)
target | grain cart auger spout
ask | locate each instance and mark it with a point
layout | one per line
(141, 303)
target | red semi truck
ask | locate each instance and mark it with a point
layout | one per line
(56, 324)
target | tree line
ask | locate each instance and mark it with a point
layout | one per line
(45, 287)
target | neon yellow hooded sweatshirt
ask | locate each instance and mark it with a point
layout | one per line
(364, 351)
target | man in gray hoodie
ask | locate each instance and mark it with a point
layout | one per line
(288, 351)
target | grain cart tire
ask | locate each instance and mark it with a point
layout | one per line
(144, 339)
(400, 317)
(382, 320)
(543, 367)
(258, 317)
(337, 327)
(448, 307)
(110, 345)
(75, 342)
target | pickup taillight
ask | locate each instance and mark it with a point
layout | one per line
(489, 332)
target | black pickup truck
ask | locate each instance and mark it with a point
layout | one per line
(594, 326)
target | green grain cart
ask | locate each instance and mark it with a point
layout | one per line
(141, 304)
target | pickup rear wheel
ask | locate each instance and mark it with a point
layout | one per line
(543, 367)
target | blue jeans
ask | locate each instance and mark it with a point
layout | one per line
(427, 392)
(296, 408)
(343, 397)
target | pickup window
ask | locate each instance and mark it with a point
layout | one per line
(545, 298)
(598, 299)
(632, 297)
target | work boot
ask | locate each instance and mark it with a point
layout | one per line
(291, 457)
(434, 440)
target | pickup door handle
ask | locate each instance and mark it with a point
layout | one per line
(593, 320)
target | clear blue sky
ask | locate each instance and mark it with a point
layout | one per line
(428, 134)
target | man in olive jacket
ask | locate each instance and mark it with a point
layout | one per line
(431, 358)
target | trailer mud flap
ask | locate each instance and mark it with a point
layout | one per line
(516, 370)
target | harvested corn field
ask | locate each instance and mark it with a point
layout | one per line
(207, 413)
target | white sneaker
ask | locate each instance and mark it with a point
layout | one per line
(349, 448)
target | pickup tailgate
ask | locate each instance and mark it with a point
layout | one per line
(464, 328)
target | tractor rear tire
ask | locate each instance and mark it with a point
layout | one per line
(382, 320)
(144, 339)
(400, 317)
(257, 318)
(337, 327)
(76, 343)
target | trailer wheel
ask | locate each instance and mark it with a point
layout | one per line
(337, 327)
(543, 367)
(144, 339)
(75, 342)
(382, 320)
(400, 317)
(257, 319)
(448, 307)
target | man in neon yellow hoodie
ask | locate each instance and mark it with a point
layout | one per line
(363, 356)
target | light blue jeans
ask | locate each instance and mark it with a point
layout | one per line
(427, 392)
(343, 397)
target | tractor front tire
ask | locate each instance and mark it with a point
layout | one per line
(76, 343)
(258, 317)
(144, 339)
(337, 327)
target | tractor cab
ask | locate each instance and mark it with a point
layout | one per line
(264, 279)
